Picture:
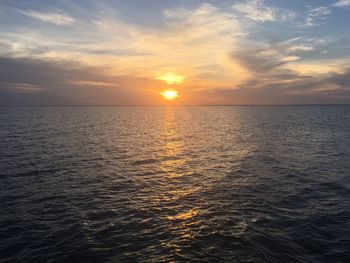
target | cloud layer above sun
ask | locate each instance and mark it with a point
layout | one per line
(212, 52)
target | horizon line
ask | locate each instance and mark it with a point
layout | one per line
(163, 105)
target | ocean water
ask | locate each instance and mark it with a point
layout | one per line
(175, 184)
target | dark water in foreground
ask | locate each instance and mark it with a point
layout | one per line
(141, 184)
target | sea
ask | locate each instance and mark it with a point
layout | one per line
(175, 184)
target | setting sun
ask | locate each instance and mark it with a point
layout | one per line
(170, 94)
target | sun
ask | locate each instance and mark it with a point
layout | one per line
(170, 94)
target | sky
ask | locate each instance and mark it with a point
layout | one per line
(99, 52)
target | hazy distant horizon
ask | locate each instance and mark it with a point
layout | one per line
(162, 105)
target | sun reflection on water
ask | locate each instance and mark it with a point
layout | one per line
(173, 159)
(185, 215)
(173, 196)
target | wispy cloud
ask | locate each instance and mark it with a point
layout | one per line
(316, 16)
(21, 87)
(301, 48)
(256, 10)
(342, 3)
(54, 18)
(221, 47)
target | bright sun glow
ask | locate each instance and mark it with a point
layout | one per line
(171, 78)
(170, 94)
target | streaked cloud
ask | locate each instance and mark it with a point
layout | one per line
(301, 48)
(92, 83)
(21, 87)
(54, 18)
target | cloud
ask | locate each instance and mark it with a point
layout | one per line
(342, 3)
(201, 22)
(257, 11)
(293, 89)
(107, 60)
(186, 44)
(5, 47)
(342, 79)
(25, 81)
(302, 48)
(54, 18)
(289, 58)
(278, 76)
(93, 83)
(316, 16)
(20, 87)
(263, 58)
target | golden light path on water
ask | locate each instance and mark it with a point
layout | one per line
(186, 160)
(174, 160)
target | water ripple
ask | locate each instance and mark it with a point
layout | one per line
(157, 184)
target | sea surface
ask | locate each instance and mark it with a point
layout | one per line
(175, 184)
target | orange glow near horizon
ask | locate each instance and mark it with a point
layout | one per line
(171, 78)
(170, 94)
